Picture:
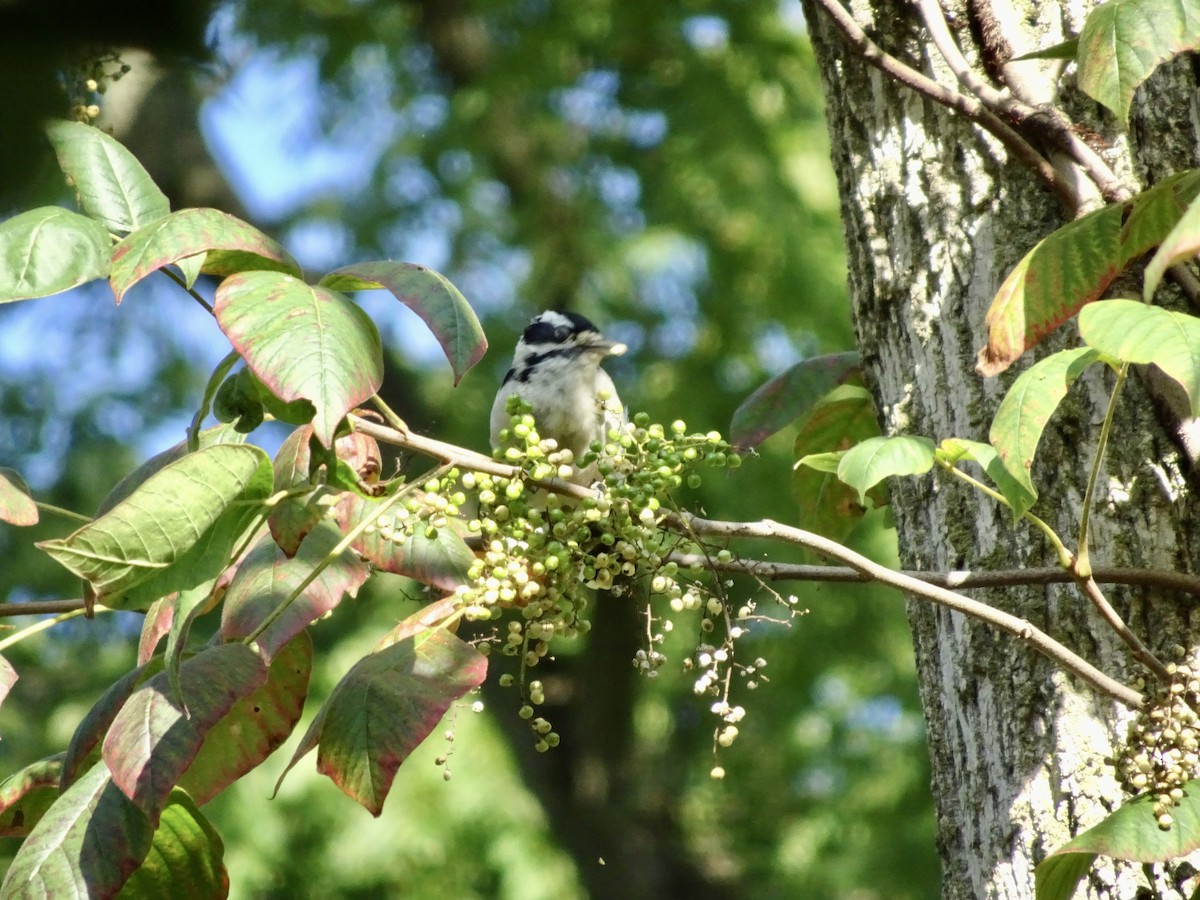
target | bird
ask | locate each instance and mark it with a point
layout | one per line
(556, 370)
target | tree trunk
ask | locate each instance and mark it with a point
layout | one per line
(936, 215)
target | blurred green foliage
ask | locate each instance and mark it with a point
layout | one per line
(663, 168)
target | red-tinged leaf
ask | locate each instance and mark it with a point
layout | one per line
(1181, 244)
(82, 752)
(1075, 265)
(431, 296)
(26, 795)
(156, 623)
(109, 182)
(87, 844)
(1025, 410)
(267, 577)
(152, 741)
(431, 615)
(1068, 268)
(49, 250)
(384, 707)
(255, 727)
(186, 233)
(295, 517)
(186, 858)
(441, 561)
(8, 677)
(303, 342)
(16, 504)
(1131, 833)
(788, 396)
(1123, 41)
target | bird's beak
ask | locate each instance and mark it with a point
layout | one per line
(608, 348)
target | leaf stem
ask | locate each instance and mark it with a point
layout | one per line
(59, 511)
(1083, 564)
(210, 391)
(191, 291)
(36, 627)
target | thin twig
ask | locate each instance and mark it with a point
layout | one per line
(1139, 650)
(1014, 625)
(39, 607)
(959, 579)
(968, 106)
(1051, 122)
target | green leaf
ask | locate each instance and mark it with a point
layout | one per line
(384, 707)
(16, 504)
(1027, 407)
(27, 794)
(823, 503)
(954, 450)
(1130, 331)
(431, 296)
(111, 185)
(152, 740)
(1124, 41)
(1181, 244)
(48, 250)
(168, 520)
(788, 396)
(302, 342)
(266, 577)
(256, 725)
(8, 677)
(186, 858)
(866, 464)
(1132, 833)
(442, 561)
(184, 234)
(87, 844)
(1075, 265)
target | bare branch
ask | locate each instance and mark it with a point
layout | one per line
(968, 106)
(39, 607)
(1014, 625)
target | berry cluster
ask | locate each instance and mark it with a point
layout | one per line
(87, 81)
(546, 543)
(1162, 750)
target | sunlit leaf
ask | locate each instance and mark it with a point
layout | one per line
(1180, 245)
(441, 561)
(155, 624)
(1028, 406)
(16, 504)
(431, 296)
(48, 250)
(1064, 50)
(1131, 331)
(788, 396)
(83, 750)
(256, 725)
(303, 342)
(27, 794)
(110, 183)
(1124, 41)
(1075, 265)
(1131, 833)
(184, 234)
(8, 677)
(186, 858)
(267, 577)
(164, 519)
(86, 845)
(152, 741)
(866, 464)
(384, 707)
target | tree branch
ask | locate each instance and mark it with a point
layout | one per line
(39, 607)
(968, 106)
(1014, 625)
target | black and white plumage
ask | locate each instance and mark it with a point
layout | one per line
(556, 370)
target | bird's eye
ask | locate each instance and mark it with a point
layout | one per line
(561, 333)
